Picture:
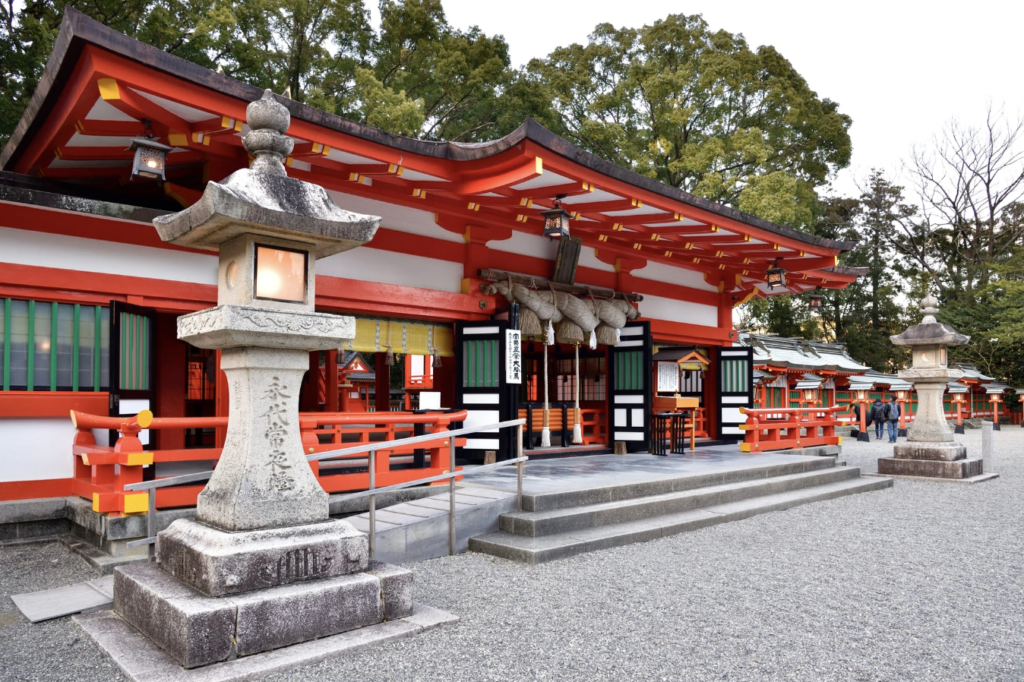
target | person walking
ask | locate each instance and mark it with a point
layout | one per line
(878, 417)
(892, 418)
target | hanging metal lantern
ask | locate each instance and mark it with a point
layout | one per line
(556, 220)
(775, 277)
(150, 158)
(814, 303)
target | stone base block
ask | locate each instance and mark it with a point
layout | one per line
(959, 469)
(197, 630)
(219, 563)
(995, 427)
(193, 628)
(943, 452)
(142, 661)
(863, 436)
(958, 429)
(395, 589)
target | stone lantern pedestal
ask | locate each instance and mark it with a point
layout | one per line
(262, 566)
(930, 450)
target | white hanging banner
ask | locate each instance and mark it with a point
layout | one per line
(668, 377)
(513, 356)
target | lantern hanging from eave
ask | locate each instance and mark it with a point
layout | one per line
(775, 277)
(150, 158)
(556, 220)
(814, 302)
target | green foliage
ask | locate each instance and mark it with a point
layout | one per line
(384, 108)
(197, 30)
(699, 110)
(867, 312)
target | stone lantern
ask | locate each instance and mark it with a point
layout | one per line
(262, 566)
(930, 450)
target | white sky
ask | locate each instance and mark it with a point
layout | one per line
(900, 69)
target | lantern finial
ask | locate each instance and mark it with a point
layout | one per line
(268, 120)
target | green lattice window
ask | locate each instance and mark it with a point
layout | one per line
(480, 363)
(136, 338)
(734, 376)
(629, 371)
(54, 346)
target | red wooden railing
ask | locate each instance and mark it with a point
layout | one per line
(764, 428)
(102, 471)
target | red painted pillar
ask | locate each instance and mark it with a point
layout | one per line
(712, 395)
(309, 398)
(171, 380)
(221, 393)
(382, 385)
(331, 403)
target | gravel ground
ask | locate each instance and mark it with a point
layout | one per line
(922, 581)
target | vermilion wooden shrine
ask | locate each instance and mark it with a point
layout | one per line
(90, 294)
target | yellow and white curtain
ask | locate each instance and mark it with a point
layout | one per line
(406, 336)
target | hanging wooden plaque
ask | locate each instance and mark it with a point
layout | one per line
(568, 259)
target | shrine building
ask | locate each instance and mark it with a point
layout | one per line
(471, 239)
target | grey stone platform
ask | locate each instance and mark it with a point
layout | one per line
(619, 500)
(196, 629)
(142, 661)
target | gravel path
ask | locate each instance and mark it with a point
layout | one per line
(923, 581)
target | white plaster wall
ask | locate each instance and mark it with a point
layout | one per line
(395, 217)
(375, 265)
(527, 245)
(24, 247)
(659, 272)
(671, 310)
(588, 259)
(36, 449)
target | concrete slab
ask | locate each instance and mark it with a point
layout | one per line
(927, 479)
(599, 471)
(142, 661)
(63, 601)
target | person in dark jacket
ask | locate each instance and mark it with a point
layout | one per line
(892, 418)
(878, 417)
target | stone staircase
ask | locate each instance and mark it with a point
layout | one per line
(562, 524)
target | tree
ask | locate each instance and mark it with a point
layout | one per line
(868, 311)
(701, 111)
(196, 30)
(970, 186)
(307, 48)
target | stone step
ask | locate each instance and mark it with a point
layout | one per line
(584, 496)
(537, 524)
(102, 562)
(535, 550)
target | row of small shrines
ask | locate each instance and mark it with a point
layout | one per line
(800, 373)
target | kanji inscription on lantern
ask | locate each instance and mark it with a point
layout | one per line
(277, 433)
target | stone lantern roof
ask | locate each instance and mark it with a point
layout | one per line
(263, 200)
(930, 332)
